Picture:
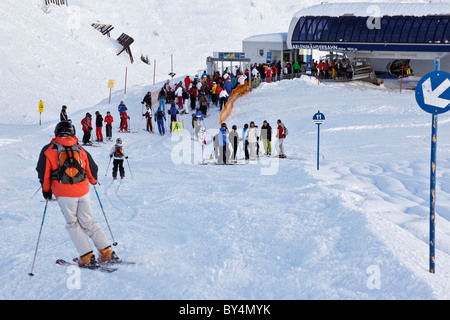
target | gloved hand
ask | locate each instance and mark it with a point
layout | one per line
(47, 195)
(126, 157)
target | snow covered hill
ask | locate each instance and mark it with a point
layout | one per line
(271, 229)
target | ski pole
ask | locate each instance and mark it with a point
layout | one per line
(108, 166)
(36, 192)
(31, 274)
(114, 241)
(130, 169)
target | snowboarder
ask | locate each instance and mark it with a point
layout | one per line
(266, 136)
(87, 128)
(160, 118)
(233, 137)
(109, 120)
(281, 135)
(149, 115)
(99, 126)
(71, 189)
(118, 153)
(63, 114)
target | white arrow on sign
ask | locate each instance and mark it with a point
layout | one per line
(431, 97)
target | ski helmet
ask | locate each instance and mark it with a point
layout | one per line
(119, 141)
(64, 128)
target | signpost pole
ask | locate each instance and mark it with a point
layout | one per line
(433, 193)
(318, 144)
(432, 95)
(318, 119)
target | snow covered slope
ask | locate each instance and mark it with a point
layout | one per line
(273, 229)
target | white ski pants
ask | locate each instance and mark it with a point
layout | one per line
(80, 224)
(280, 146)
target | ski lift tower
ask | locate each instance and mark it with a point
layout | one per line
(222, 60)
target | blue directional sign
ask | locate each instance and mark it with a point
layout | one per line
(432, 92)
(318, 118)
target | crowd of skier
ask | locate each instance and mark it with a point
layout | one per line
(65, 168)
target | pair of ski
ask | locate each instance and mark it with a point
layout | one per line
(106, 267)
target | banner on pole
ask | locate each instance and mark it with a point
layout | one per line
(240, 91)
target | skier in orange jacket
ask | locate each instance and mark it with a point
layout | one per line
(65, 170)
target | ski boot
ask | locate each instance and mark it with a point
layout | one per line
(87, 261)
(107, 255)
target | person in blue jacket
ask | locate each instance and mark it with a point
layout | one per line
(120, 108)
(228, 86)
(173, 115)
(160, 118)
(222, 137)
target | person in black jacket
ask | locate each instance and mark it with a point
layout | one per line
(266, 136)
(99, 126)
(147, 99)
(63, 114)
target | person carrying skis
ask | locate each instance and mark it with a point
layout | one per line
(251, 135)
(109, 120)
(149, 115)
(99, 126)
(124, 120)
(266, 136)
(118, 153)
(87, 127)
(63, 114)
(281, 135)
(233, 137)
(160, 118)
(65, 170)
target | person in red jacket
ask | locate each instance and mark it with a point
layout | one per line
(65, 170)
(269, 75)
(124, 116)
(109, 120)
(87, 128)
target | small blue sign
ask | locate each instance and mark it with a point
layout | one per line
(432, 92)
(319, 118)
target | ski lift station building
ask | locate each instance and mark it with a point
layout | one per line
(378, 32)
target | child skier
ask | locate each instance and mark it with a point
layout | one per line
(71, 188)
(109, 120)
(118, 152)
(124, 120)
(149, 115)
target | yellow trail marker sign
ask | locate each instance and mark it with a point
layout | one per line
(110, 84)
(41, 106)
(177, 127)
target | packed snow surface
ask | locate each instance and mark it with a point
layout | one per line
(270, 229)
